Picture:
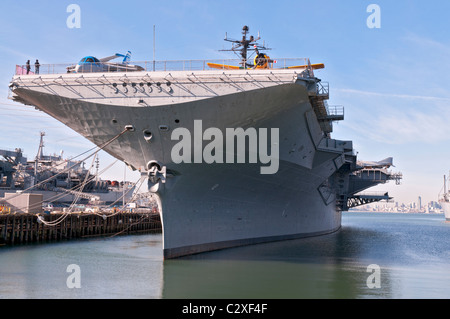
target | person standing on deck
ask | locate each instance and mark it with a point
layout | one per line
(36, 66)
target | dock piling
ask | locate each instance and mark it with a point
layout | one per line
(24, 228)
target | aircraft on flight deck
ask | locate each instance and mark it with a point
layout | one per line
(260, 61)
(91, 64)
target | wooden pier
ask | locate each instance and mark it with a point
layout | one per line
(26, 228)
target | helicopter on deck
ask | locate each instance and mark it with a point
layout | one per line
(243, 47)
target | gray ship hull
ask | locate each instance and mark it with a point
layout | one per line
(234, 205)
(212, 206)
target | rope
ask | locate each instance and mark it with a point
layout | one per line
(62, 217)
(136, 223)
(77, 196)
(64, 192)
(141, 179)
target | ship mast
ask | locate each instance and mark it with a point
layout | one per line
(245, 45)
(38, 156)
(445, 185)
(41, 147)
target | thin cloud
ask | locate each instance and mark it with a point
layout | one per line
(430, 45)
(393, 95)
(402, 128)
(14, 53)
(396, 119)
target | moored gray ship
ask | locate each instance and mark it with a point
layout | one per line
(170, 120)
(61, 182)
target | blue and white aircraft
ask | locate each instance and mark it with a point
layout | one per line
(91, 64)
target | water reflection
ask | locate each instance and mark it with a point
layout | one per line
(411, 250)
(121, 267)
(332, 266)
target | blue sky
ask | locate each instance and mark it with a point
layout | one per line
(392, 81)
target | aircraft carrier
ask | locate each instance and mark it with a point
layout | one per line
(283, 178)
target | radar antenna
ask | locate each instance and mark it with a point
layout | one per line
(242, 47)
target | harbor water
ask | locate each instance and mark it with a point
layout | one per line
(374, 255)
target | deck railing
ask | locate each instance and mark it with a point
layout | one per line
(150, 66)
(335, 112)
(323, 88)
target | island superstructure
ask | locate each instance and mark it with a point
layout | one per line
(143, 117)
